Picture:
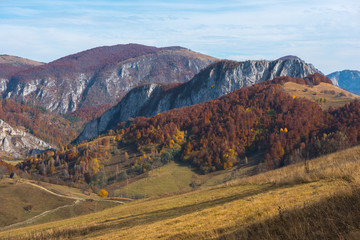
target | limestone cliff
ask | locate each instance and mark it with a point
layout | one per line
(18, 143)
(101, 76)
(216, 80)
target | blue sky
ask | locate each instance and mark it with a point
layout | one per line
(325, 33)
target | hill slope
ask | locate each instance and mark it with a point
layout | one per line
(287, 203)
(102, 75)
(18, 61)
(218, 134)
(216, 80)
(9, 65)
(30, 203)
(52, 128)
(347, 79)
(325, 94)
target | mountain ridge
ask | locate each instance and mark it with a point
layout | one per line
(18, 61)
(347, 79)
(101, 76)
(214, 81)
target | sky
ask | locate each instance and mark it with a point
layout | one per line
(324, 33)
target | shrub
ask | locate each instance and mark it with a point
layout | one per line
(28, 207)
(103, 193)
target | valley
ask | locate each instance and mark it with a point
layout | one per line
(177, 120)
(138, 142)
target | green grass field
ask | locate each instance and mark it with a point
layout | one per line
(176, 178)
(167, 179)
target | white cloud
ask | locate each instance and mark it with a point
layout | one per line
(322, 32)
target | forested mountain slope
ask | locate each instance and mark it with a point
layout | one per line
(216, 80)
(217, 134)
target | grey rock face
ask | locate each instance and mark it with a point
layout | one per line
(19, 143)
(347, 79)
(79, 80)
(216, 80)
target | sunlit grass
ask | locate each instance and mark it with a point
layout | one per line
(213, 212)
(315, 93)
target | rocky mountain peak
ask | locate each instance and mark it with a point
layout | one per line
(216, 80)
(102, 76)
(289, 57)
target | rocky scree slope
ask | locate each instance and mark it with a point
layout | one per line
(216, 80)
(102, 75)
(347, 79)
(18, 143)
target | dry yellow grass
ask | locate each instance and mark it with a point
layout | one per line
(230, 215)
(15, 197)
(315, 93)
(13, 60)
(344, 164)
(231, 208)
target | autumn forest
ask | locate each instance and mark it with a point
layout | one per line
(211, 136)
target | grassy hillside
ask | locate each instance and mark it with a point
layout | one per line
(175, 178)
(18, 61)
(28, 202)
(18, 196)
(324, 94)
(302, 201)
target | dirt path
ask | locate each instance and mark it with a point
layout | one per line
(77, 201)
(71, 197)
(30, 220)
(53, 193)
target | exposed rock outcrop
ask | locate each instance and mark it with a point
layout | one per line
(101, 76)
(216, 80)
(19, 143)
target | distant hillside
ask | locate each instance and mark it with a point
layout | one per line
(9, 65)
(347, 79)
(52, 128)
(215, 135)
(216, 80)
(18, 61)
(101, 76)
(324, 94)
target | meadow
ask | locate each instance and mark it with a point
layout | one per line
(309, 200)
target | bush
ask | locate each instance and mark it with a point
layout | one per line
(28, 208)
(103, 193)
(122, 176)
(138, 196)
